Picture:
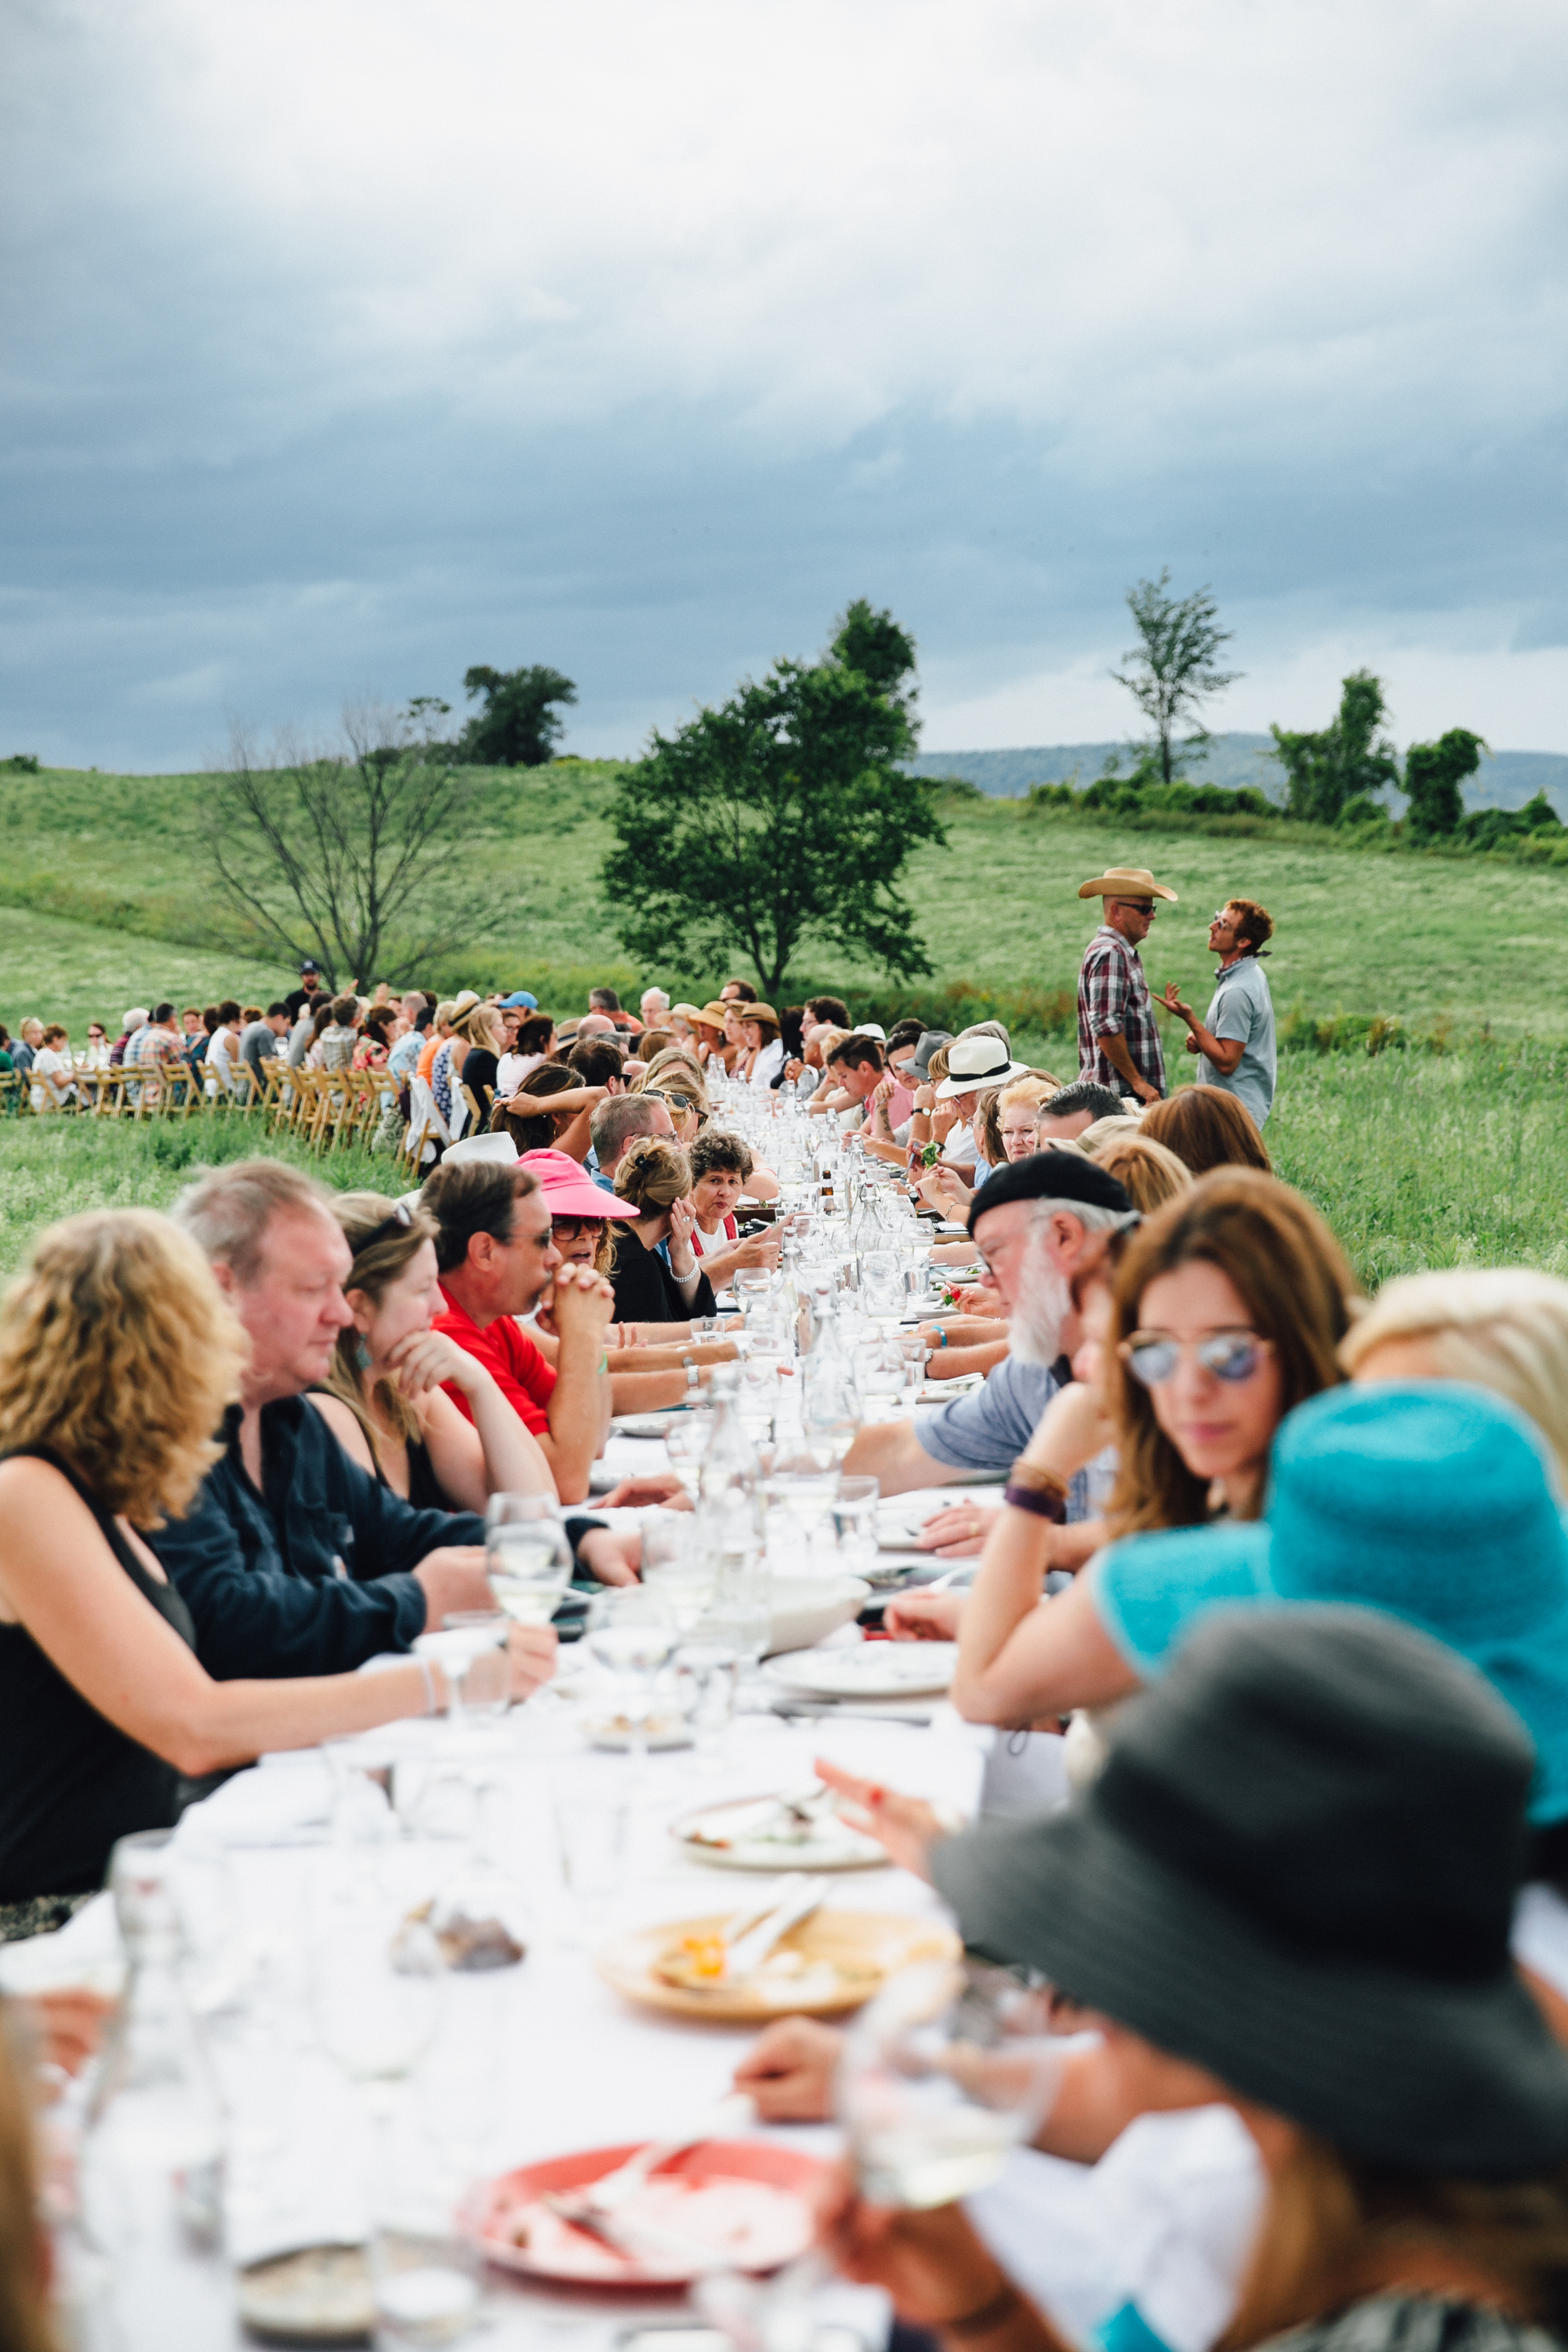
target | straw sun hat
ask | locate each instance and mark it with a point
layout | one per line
(1125, 882)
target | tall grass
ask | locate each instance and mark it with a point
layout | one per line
(55, 1168)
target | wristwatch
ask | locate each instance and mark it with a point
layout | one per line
(693, 1377)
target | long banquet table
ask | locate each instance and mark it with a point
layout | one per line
(530, 2061)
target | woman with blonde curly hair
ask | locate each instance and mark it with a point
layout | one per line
(119, 1359)
(655, 1176)
(384, 1400)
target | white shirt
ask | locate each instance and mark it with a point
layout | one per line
(47, 1063)
(220, 1058)
(510, 1071)
(767, 1066)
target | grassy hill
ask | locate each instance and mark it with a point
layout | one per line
(107, 900)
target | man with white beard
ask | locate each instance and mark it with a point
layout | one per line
(1037, 1224)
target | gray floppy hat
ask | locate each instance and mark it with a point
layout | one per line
(930, 1041)
(1298, 1870)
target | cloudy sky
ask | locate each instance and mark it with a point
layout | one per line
(348, 342)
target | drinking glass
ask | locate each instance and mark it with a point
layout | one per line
(739, 1617)
(375, 2017)
(707, 1328)
(675, 1569)
(942, 2076)
(592, 1813)
(879, 1375)
(709, 1671)
(471, 1648)
(882, 1294)
(686, 1441)
(803, 1489)
(855, 1522)
(528, 1559)
(632, 1636)
(751, 1284)
(757, 1397)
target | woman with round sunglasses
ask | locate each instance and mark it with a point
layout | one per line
(1228, 1311)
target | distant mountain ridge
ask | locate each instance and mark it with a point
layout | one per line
(1505, 779)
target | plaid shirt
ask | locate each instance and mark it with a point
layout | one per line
(1112, 994)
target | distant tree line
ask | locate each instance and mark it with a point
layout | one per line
(1339, 776)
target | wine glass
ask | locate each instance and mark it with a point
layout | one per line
(942, 2076)
(678, 1570)
(528, 1561)
(632, 1636)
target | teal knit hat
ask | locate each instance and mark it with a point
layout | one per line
(1431, 1500)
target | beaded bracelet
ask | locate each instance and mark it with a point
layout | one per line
(1030, 1498)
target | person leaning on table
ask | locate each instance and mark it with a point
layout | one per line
(119, 1358)
(292, 1560)
(1038, 1224)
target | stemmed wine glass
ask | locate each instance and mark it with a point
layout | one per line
(632, 1633)
(942, 2076)
(528, 1559)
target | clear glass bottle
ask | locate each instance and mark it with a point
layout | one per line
(152, 2171)
(730, 1487)
(830, 1409)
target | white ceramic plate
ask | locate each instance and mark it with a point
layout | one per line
(646, 1424)
(756, 1833)
(872, 1670)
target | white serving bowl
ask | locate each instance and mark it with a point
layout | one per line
(806, 1609)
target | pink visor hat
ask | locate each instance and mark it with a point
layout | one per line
(568, 1189)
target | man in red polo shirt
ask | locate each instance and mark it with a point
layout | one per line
(496, 1261)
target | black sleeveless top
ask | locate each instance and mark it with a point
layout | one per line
(70, 1783)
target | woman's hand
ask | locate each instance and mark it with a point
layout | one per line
(907, 1826)
(959, 1531)
(788, 2071)
(424, 1360)
(682, 1256)
(758, 1249)
(613, 1554)
(530, 1652)
(648, 1487)
(924, 1616)
(933, 2263)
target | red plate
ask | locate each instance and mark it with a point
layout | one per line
(746, 2199)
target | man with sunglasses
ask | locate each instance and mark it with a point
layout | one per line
(1236, 1043)
(1117, 1039)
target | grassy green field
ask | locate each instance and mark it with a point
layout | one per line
(106, 901)
(1417, 1158)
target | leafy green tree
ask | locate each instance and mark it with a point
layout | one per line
(783, 815)
(361, 856)
(517, 727)
(1434, 777)
(1172, 665)
(1348, 762)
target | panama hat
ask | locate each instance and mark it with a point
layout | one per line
(1297, 1871)
(685, 1011)
(757, 1011)
(1125, 882)
(1429, 1499)
(714, 1014)
(976, 1062)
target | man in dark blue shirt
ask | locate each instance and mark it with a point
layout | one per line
(293, 1561)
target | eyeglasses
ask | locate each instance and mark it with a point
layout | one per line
(572, 1229)
(1231, 1356)
(1223, 918)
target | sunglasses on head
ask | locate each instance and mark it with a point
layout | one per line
(1233, 1356)
(398, 1219)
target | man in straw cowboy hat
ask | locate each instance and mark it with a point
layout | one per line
(1117, 1042)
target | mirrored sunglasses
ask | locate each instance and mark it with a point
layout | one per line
(1228, 1355)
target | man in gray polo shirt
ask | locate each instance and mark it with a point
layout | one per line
(1236, 1045)
(1037, 1224)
